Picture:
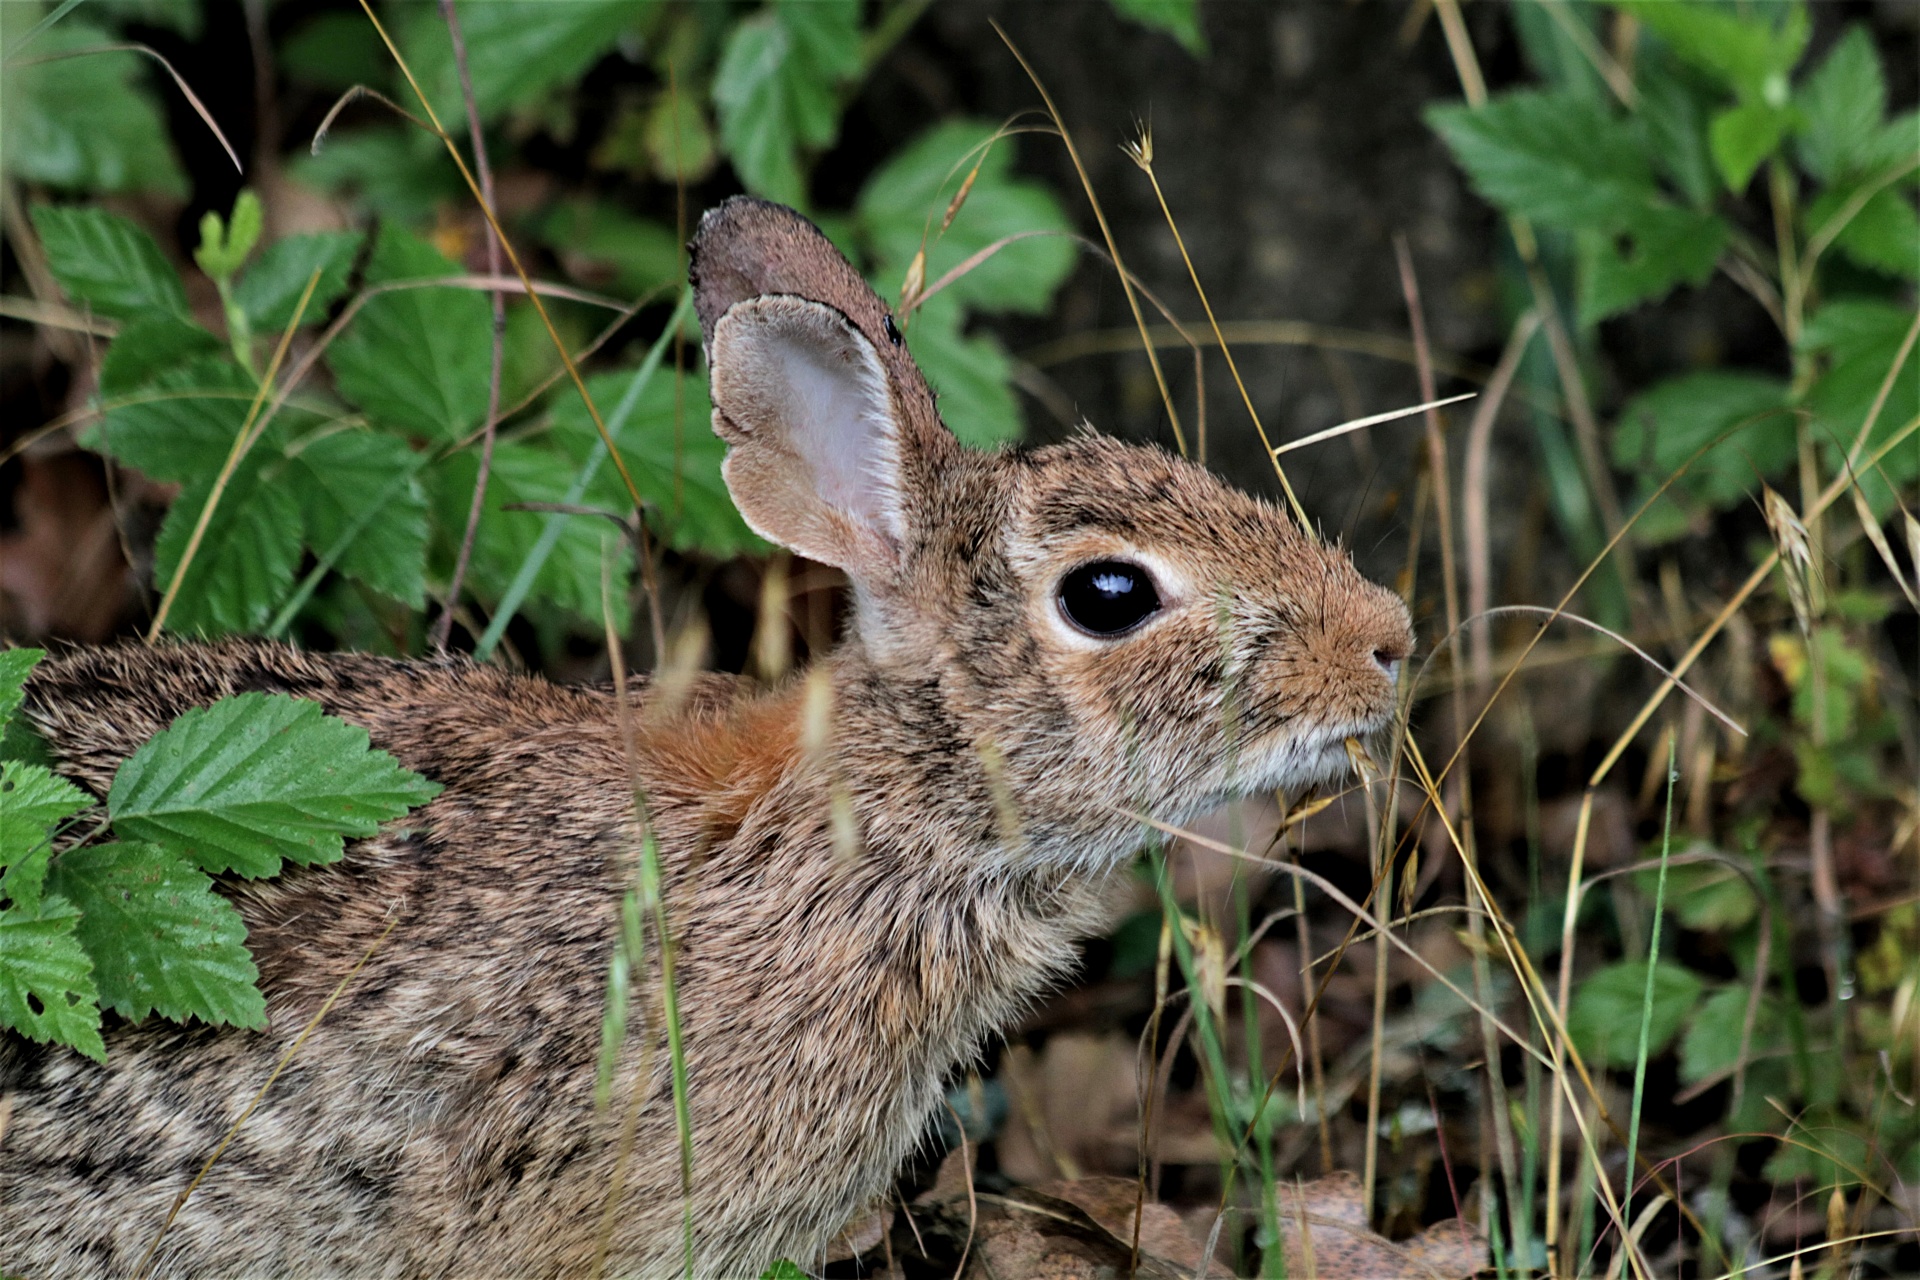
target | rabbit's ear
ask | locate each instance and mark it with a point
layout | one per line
(832, 428)
(815, 461)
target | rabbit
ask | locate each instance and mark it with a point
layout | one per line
(1045, 646)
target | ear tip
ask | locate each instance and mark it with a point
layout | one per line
(744, 247)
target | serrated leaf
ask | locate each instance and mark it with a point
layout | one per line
(1604, 1018)
(1746, 51)
(517, 50)
(253, 779)
(1841, 106)
(180, 425)
(401, 177)
(15, 666)
(1178, 18)
(1675, 115)
(1645, 257)
(1708, 896)
(336, 477)
(907, 200)
(161, 939)
(971, 376)
(150, 347)
(776, 89)
(246, 559)
(416, 359)
(1859, 339)
(674, 463)
(272, 286)
(1663, 427)
(85, 123)
(46, 984)
(522, 472)
(606, 247)
(1882, 235)
(1712, 1042)
(1742, 137)
(32, 802)
(1552, 157)
(105, 262)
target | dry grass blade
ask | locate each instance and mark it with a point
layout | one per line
(911, 293)
(55, 315)
(286, 1059)
(1877, 536)
(1141, 153)
(346, 100)
(1100, 216)
(1371, 420)
(242, 441)
(186, 90)
(1476, 494)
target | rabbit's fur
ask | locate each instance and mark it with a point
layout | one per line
(863, 886)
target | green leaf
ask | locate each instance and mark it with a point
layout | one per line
(224, 248)
(674, 461)
(1178, 18)
(46, 983)
(907, 200)
(776, 89)
(1712, 1042)
(1859, 339)
(104, 261)
(1675, 116)
(15, 666)
(182, 424)
(971, 376)
(1552, 157)
(605, 247)
(85, 123)
(336, 477)
(253, 779)
(1742, 137)
(522, 472)
(517, 51)
(1841, 106)
(416, 359)
(1744, 49)
(1645, 257)
(399, 176)
(335, 51)
(32, 801)
(1708, 896)
(246, 559)
(783, 1270)
(149, 348)
(272, 286)
(183, 16)
(1604, 1018)
(1663, 427)
(161, 939)
(1883, 235)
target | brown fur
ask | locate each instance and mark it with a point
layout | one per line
(440, 1119)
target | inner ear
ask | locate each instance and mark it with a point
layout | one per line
(803, 400)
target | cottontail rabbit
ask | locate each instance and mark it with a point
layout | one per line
(1043, 641)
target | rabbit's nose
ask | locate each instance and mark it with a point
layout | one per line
(1389, 639)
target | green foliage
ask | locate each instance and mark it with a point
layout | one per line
(254, 779)
(78, 120)
(106, 262)
(783, 1270)
(1604, 1018)
(135, 925)
(777, 90)
(1178, 18)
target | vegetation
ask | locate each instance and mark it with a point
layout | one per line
(1640, 1056)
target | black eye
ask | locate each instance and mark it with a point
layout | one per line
(893, 333)
(1108, 597)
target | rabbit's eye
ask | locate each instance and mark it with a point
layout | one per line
(1108, 597)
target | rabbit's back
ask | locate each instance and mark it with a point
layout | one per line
(452, 1057)
(440, 1117)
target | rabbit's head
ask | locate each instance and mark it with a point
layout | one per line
(1106, 628)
